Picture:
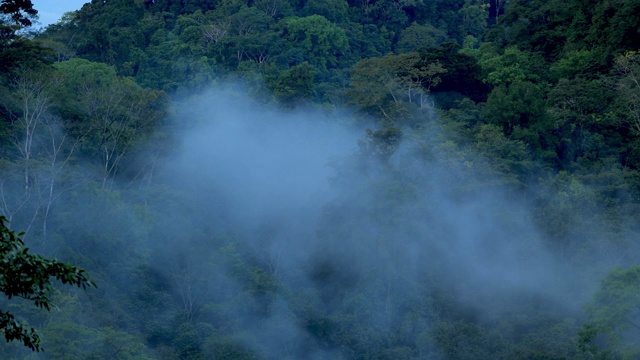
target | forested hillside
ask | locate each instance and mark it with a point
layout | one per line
(328, 179)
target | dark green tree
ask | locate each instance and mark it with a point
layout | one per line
(20, 11)
(16, 50)
(463, 73)
(614, 318)
(29, 276)
(320, 42)
(417, 36)
(296, 83)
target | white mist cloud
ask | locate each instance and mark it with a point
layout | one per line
(262, 161)
(373, 244)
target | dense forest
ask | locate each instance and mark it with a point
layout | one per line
(328, 179)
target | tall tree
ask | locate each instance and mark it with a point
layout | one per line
(28, 102)
(385, 83)
(112, 113)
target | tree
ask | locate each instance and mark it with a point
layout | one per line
(296, 84)
(613, 25)
(31, 99)
(417, 36)
(515, 107)
(20, 11)
(16, 50)
(510, 67)
(626, 73)
(249, 37)
(463, 73)
(475, 15)
(274, 8)
(321, 42)
(582, 127)
(614, 320)
(114, 112)
(41, 148)
(29, 276)
(541, 26)
(383, 84)
(374, 87)
(336, 11)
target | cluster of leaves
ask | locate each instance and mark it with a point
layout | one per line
(613, 316)
(20, 11)
(29, 276)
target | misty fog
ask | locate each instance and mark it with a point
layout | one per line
(332, 229)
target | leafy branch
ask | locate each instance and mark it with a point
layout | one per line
(29, 276)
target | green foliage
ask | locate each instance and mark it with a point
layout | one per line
(393, 84)
(110, 114)
(613, 25)
(613, 316)
(540, 27)
(243, 35)
(417, 36)
(29, 276)
(322, 41)
(336, 11)
(462, 340)
(381, 144)
(367, 40)
(18, 53)
(577, 109)
(510, 67)
(625, 78)
(515, 107)
(106, 31)
(475, 16)
(574, 63)
(74, 341)
(567, 213)
(20, 11)
(553, 27)
(510, 158)
(540, 104)
(463, 73)
(296, 84)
